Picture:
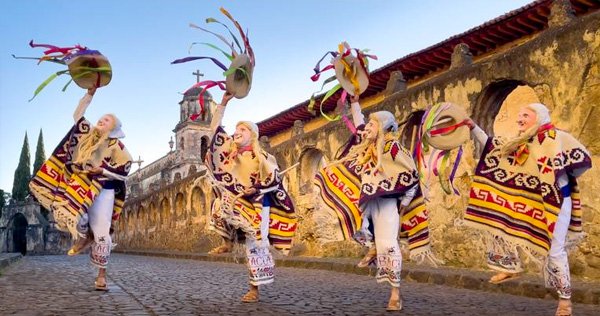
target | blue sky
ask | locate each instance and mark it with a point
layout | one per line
(141, 38)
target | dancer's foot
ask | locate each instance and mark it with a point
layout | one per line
(80, 245)
(224, 248)
(503, 277)
(100, 283)
(251, 296)
(395, 302)
(369, 258)
(565, 308)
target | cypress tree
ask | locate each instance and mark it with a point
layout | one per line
(2, 201)
(20, 188)
(40, 155)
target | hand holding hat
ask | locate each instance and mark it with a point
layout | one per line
(87, 68)
(351, 72)
(238, 76)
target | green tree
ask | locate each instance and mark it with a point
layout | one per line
(40, 154)
(20, 188)
(2, 201)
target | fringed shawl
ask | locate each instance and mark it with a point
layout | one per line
(519, 199)
(59, 187)
(345, 187)
(245, 170)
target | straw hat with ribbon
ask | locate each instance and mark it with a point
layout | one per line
(351, 72)
(444, 128)
(87, 68)
(238, 76)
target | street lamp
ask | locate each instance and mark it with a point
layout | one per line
(171, 143)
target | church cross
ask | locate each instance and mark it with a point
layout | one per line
(198, 74)
(139, 162)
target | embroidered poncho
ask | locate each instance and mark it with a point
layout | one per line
(345, 187)
(239, 171)
(518, 198)
(59, 187)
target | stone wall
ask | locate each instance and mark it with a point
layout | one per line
(172, 217)
(560, 67)
(40, 234)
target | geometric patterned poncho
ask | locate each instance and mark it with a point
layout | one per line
(518, 198)
(346, 186)
(68, 194)
(238, 171)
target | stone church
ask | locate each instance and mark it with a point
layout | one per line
(547, 51)
(163, 194)
(191, 143)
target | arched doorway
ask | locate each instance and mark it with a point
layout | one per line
(491, 101)
(504, 123)
(496, 111)
(17, 234)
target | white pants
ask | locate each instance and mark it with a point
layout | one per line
(386, 222)
(556, 271)
(99, 217)
(260, 261)
(556, 268)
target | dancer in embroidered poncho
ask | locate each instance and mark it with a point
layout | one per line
(263, 211)
(83, 183)
(376, 180)
(525, 195)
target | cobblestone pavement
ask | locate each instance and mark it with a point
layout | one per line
(60, 285)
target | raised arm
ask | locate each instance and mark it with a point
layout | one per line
(357, 117)
(83, 104)
(219, 112)
(477, 133)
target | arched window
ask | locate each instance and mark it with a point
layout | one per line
(198, 202)
(179, 206)
(165, 213)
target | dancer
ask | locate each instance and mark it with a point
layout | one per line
(263, 213)
(525, 196)
(376, 180)
(83, 183)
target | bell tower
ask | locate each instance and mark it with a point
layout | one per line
(192, 132)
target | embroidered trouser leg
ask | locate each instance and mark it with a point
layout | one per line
(386, 221)
(502, 257)
(100, 217)
(260, 261)
(221, 227)
(556, 271)
(364, 235)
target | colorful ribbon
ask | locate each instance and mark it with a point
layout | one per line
(439, 160)
(62, 55)
(447, 129)
(220, 83)
(344, 50)
(207, 84)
